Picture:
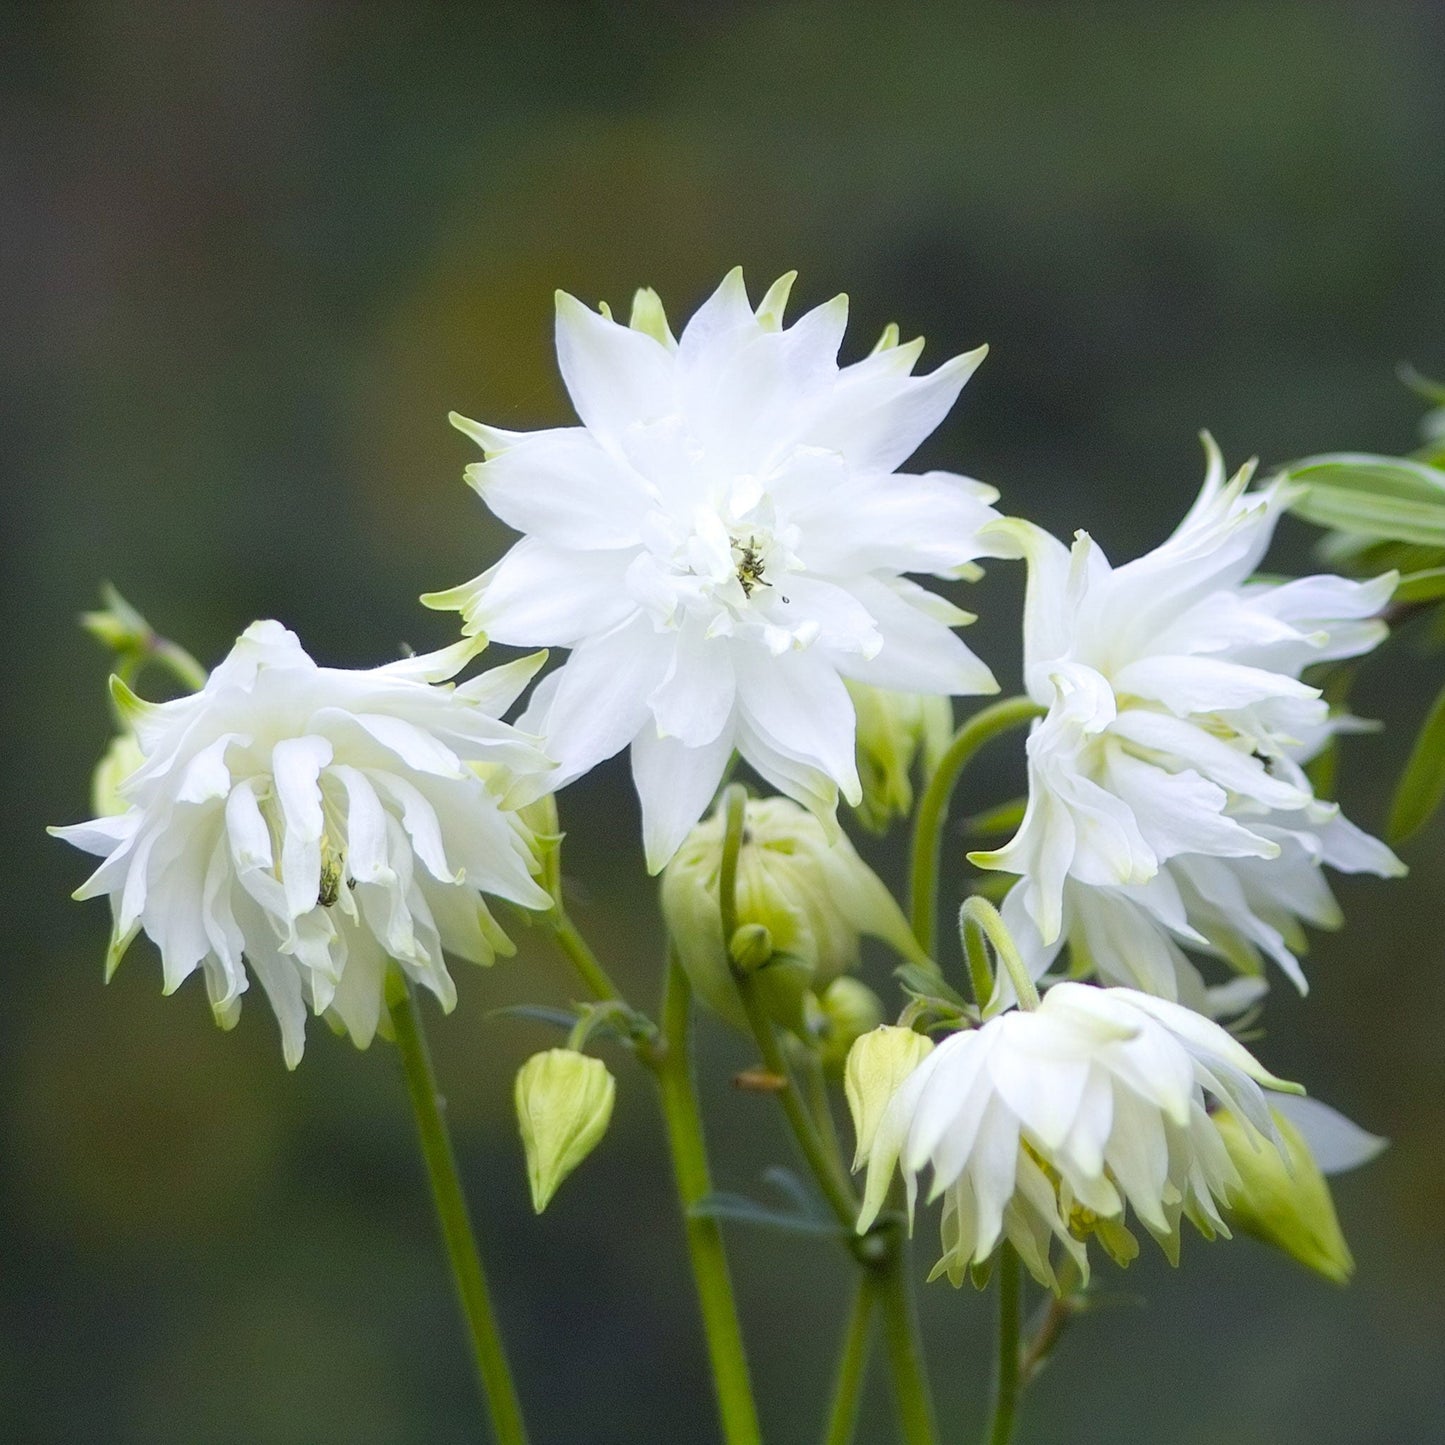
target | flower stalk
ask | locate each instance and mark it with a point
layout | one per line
(985, 725)
(461, 1244)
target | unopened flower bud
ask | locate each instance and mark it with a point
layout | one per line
(878, 1063)
(1288, 1204)
(847, 1010)
(895, 730)
(751, 947)
(812, 896)
(121, 759)
(564, 1104)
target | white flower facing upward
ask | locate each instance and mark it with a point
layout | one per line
(1049, 1125)
(722, 542)
(313, 823)
(1166, 802)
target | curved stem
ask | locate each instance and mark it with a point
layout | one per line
(446, 1188)
(978, 915)
(580, 955)
(704, 1238)
(905, 1348)
(852, 1367)
(1006, 1377)
(981, 728)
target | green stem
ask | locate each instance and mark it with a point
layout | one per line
(883, 1251)
(979, 916)
(580, 955)
(981, 728)
(852, 1366)
(673, 1067)
(905, 1348)
(1006, 1377)
(451, 1207)
(822, 1109)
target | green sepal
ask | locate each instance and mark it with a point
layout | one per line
(1422, 784)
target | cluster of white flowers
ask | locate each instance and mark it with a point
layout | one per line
(722, 547)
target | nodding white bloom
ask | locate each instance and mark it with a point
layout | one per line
(722, 542)
(1049, 1125)
(314, 822)
(1166, 802)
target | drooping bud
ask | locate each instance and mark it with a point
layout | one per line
(895, 731)
(877, 1065)
(802, 901)
(847, 1010)
(1288, 1204)
(564, 1104)
(120, 760)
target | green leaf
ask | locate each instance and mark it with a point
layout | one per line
(804, 1217)
(1393, 498)
(1422, 785)
(1426, 586)
(1422, 385)
(537, 1013)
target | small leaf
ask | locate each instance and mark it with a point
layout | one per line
(1423, 386)
(1422, 785)
(538, 1014)
(1425, 586)
(1392, 498)
(742, 1210)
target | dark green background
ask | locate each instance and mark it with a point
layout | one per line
(253, 253)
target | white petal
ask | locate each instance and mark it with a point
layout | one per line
(1337, 1143)
(562, 487)
(675, 784)
(544, 596)
(615, 376)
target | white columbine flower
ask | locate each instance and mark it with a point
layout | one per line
(1048, 1125)
(722, 542)
(313, 823)
(1166, 803)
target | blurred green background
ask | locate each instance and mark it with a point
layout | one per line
(253, 253)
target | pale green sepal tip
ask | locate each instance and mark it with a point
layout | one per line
(604, 310)
(488, 438)
(129, 703)
(775, 302)
(649, 317)
(889, 339)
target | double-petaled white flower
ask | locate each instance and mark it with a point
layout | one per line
(1166, 803)
(722, 542)
(313, 823)
(1052, 1124)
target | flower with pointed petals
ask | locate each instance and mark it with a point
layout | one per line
(721, 543)
(1049, 1125)
(1166, 805)
(315, 823)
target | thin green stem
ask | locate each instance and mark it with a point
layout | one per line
(852, 1366)
(580, 955)
(822, 1109)
(928, 825)
(1006, 1376)
(673, 1067)
(978, 915)
(905, 1348)
(883, 1252)
(451, 1207)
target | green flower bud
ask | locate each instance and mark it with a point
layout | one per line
(877, 1065)
(1287, 1205)
(895, 730)
(805, 898)
(846, 1011)
(564, 1104)
(121, 759)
